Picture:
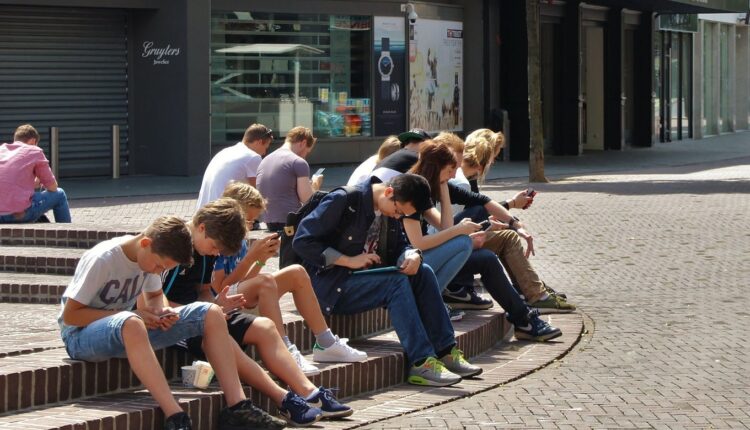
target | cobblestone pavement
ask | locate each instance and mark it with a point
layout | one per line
(657, 259)
(660, 263)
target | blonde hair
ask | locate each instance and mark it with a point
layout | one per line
(300, 133)
(390, 145)
(452, 141)
(25, 132)
(482, 146)
(245, 194)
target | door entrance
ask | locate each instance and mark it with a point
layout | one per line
(592, 85)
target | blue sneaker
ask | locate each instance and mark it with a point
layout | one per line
(297, 412)
(536, 329)
(332, 408)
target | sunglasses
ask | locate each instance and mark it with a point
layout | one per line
(269, 133)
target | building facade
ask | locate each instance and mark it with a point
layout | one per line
(182, 79)
(615, 73)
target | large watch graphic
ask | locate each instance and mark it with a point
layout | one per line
(385, 67)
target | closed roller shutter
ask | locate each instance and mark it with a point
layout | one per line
(66, 67)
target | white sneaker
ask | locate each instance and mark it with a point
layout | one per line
(339, 352)
(307, 368)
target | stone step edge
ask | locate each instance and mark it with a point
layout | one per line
(503, 364)
(70, 235)
(357, 326)
(66, 379)
(136, 410)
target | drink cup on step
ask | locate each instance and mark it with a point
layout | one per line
(198, 375)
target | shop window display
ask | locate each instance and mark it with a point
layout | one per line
(284, 70)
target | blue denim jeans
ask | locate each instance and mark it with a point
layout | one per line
(102, 339)
(41, 202)
(476, 213)
(486, 263)
(447, 259)
(414, 304)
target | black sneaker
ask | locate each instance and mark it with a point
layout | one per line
(297, 412)
(331, 407)
(466, 298)
(178, 421)
(537, 329)
(244, 415)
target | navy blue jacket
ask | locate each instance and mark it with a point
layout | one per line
(328, 232)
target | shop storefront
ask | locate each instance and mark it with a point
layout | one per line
(184, 78)
(600, 89)
(673, 74)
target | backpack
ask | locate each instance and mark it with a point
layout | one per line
(287, 256)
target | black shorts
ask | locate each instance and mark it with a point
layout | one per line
(238, 324)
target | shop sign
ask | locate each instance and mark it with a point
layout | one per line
(717, 5)
(686, 23)
(161, 55)
(389, 58)
(436, 75)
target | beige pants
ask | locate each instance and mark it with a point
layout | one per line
(508, 246)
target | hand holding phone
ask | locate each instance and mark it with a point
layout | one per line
(485, 225)
(529, 193)
(319, 171)
(168, 314)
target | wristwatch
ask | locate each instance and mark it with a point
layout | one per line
(385, 67)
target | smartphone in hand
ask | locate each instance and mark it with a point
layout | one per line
(529, 193)
(485, 225)
(168, 314)
(319, 171)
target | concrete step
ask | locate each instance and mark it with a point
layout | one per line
(59, 235)
(32, 287)
(39, 259)
(45, 378)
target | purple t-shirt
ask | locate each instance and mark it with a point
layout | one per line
(277, 182)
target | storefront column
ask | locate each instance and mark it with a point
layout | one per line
(613, 93)
(515, 77)
(643, 105)
(571, 80)
(697, 118)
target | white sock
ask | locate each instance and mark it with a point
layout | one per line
(313, 394)
(287, 342)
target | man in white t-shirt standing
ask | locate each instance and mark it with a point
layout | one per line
(235, 163)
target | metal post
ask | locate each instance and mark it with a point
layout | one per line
(115, 151)
(506, 132)
(54, 149)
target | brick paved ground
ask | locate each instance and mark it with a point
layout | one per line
(659, 260)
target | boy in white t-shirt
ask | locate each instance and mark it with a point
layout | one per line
(96, 321)
(238, 162)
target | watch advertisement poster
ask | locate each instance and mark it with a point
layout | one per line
(436, 75)
(390, 75)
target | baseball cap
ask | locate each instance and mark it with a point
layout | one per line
(415, 134)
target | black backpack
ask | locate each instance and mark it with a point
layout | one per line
(287, 256)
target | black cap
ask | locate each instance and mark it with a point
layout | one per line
(415, 134)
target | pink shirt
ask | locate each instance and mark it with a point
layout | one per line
(19, 165)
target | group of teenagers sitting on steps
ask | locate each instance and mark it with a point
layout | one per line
(415, 214)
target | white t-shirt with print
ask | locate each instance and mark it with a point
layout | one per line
(235, 163)
(106, 278)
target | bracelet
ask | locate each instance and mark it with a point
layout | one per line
(260, 263)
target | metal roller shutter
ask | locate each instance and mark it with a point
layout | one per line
(68, 68)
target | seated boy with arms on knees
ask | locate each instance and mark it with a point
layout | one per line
(345, 233)
(241, 274)
(96, 322)
(220, 227)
